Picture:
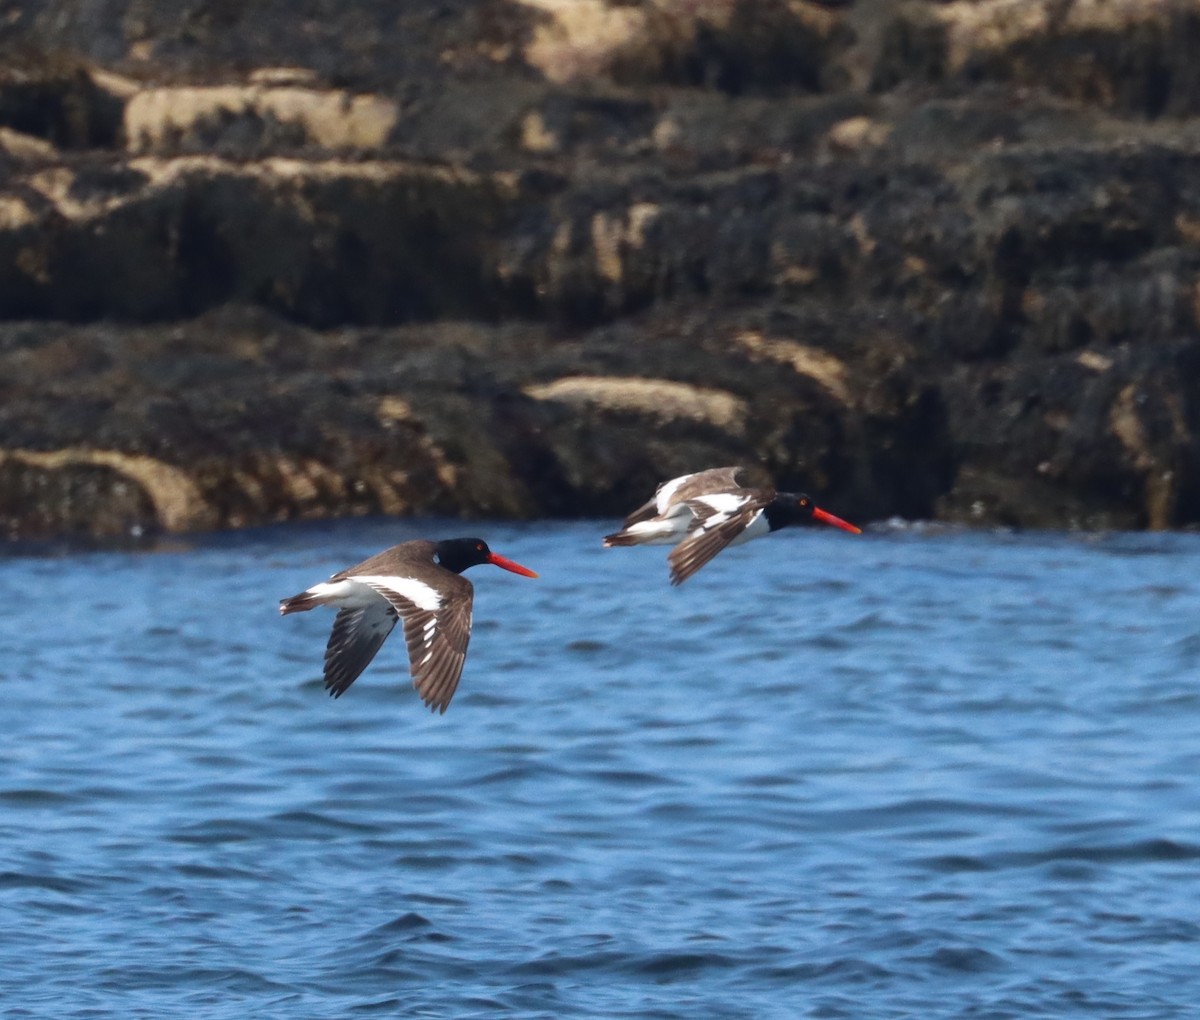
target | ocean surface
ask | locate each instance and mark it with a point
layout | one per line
(917, 773)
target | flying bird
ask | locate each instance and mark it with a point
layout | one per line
(702, 513)
(417, 582)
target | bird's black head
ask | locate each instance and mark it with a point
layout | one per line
(458, 554)
(790, 508)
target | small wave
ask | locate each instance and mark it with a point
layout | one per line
(222, 873)
(844, 970)
(881, 620)
(952, 864)
(312, 824)
(1146, 851)
(488, 699)
(631, 777)
(428, 861)
(220, 830)
(963, 960)
(585, 646)
(906, 813)
(1134, 928)
(553, 963)
(400, 956)
(434, 900)
(518, 772)
(822, 585)
(35, 797)
(51, 883)
(236, 980)
(1188, 646)
(672, 965)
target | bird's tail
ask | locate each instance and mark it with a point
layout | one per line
(657, 531)
(301, 603)
(620, 538)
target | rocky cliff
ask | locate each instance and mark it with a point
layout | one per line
(269, 261)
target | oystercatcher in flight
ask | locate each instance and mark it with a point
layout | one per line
(418, 582)
(702, 513)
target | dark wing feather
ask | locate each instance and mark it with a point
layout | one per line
(357, 635)
(713, 532)
(643, 513)
(437, 640)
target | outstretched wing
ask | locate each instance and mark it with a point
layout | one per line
(437, 628)
(643, 513)
(357, 635)
(720, 519)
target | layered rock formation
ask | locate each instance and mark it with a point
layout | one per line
(527, 257)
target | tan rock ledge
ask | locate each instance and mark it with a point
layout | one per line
(656, 398)
(156, 118)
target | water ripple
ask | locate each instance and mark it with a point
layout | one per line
(912, 775)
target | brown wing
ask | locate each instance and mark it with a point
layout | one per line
(643, 513)
(437, 639)
(714, 530)
(704, 482)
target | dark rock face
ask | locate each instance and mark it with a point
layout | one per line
(526, 257)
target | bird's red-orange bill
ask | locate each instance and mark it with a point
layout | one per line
(837, 522)
(516, 568)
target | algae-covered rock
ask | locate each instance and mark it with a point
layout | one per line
(522, 257)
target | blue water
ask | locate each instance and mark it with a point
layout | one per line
(903, 775)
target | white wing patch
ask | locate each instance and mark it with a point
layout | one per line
(724, 504)
(756, 526)
(668, 489)
(345, 594)
(428, 632)
(662, 530)
(420, 594)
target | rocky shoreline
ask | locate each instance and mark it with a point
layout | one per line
(520, 258)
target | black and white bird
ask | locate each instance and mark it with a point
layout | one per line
(702, 513)
(417, 582)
